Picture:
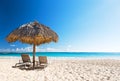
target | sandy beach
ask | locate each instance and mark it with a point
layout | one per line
(63, 70)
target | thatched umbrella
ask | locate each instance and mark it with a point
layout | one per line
(33, 33)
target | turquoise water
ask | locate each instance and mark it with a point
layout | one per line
(67, 54)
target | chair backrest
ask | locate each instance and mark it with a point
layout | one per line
(25, 58)
(42, 59)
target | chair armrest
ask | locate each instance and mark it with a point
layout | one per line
(20, 61)
(37, 63)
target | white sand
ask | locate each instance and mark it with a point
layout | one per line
(63, 70)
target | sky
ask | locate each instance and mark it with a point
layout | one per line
(82, 25)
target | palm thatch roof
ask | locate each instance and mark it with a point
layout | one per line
(33, 33)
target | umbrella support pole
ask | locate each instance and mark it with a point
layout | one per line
(34, 50)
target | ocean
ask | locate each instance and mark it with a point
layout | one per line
(67, 54)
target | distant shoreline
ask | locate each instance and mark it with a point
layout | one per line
(79, 55)
(62, 58)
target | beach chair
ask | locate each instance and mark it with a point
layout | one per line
(42, 61)
(25, 58)
(26, 62)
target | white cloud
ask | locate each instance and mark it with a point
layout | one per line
(53, 50)
(67, 48)
(13, 45)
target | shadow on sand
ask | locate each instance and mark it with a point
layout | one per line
(22, 67)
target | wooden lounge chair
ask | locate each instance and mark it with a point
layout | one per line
(26, 62)
(42, 61)
(25, 58)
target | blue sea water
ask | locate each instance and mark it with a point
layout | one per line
(67, 54)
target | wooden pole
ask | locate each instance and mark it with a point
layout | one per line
(34, 50)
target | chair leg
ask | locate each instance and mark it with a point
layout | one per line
(16, 64)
